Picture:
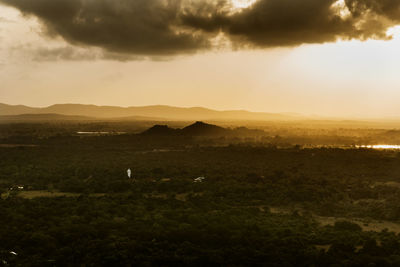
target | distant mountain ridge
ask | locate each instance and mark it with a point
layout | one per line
(42, 117)
(32, 117)
(200, 128)
(160, 112)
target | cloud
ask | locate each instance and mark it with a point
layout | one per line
(270, 23)
(127, 29)
(64, 53)
(4, 20)
(43, 53)
(121, 26)
(387, 8)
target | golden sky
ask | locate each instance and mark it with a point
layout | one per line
(43, 62)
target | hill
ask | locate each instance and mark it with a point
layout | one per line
(160, 130)
(201, 129)
(15, 109)
(158, 111)
(42, 117)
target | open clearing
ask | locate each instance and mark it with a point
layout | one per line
(365, 223)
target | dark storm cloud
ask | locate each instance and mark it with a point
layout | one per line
(170, 27)
(293, 22)
(290, 22)
(125, 26)
(388, 8)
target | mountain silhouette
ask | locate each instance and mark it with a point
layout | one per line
(59, 117)
(43, 117)
(158, 112)
(200, 128)
(160, 130)
(16, 109)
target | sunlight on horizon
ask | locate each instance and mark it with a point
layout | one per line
(239, 4)
(396, 147)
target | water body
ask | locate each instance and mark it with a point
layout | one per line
(392, 147)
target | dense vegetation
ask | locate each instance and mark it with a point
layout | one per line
(260, 204)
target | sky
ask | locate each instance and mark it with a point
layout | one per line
(314, 57)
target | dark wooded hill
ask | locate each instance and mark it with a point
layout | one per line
(202, 129)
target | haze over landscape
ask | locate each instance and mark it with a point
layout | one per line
(200, 133)
(149, 112)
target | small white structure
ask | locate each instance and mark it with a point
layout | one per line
(129, 172)
(199, 179)
(16, 187)
(14, 253)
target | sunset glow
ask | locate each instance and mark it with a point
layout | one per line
(381, 146)
(342, 78)
(242, 3)
(199, 133)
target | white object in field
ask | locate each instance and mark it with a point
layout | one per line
(129, 172)
(14, 253)
(199, 179)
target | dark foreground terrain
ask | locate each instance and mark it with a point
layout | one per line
(67, 201)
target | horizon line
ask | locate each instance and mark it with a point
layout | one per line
(293, 113)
